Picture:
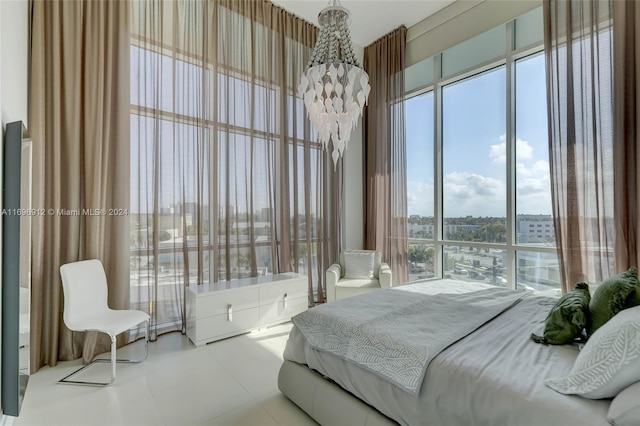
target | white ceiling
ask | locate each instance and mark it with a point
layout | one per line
(370, 19)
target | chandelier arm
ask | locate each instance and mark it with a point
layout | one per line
(317, 56)
(347, 48)
(333, 44)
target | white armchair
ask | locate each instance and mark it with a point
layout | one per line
(359, 271)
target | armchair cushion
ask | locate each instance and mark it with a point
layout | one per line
(359, 283)
(377, 260)
(359, 265)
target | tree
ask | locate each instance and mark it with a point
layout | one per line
(302, 250)
(192, 230)
(420, 253)
(222, 225)
(494, 232)
(164, 236)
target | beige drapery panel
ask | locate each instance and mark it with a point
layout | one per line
(227, 179)
(384, 153)
(578, 53)
(79, 96)
(626, 85)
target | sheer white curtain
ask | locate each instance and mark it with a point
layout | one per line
(626, 56)
(384, 153)
(227, 179)
(578, 49)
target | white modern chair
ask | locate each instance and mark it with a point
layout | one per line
(358, 272)
(85, 309)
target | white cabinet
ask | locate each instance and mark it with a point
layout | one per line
(219, 310)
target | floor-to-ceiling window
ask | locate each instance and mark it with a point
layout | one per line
(228, 181)
(479, 200)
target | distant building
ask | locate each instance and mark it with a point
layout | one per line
(538, 230)
(420, 231)
(265, 215)
(452, 229)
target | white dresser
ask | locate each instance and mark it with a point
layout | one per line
(227, 308)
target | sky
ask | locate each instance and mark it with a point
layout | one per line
(474, 145)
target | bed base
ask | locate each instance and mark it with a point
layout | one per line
(323, 400)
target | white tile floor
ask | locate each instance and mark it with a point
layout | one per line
(230, 382)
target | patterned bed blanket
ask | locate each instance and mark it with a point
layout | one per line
(395, 333)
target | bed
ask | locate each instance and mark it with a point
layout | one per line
(493, 375)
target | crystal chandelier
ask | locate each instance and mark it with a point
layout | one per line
(334, 87)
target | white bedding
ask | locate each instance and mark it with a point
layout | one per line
(395, 333)
(494, 376)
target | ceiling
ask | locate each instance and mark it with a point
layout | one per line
(370, 19)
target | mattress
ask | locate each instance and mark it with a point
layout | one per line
(494, 376)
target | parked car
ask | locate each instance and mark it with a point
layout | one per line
(416, 269)
(476, 275)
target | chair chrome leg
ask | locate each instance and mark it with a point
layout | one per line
(113, 361)
(113, 358)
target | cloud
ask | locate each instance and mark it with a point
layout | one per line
(420, 198)
(464, 185)
(532, 180)
(539, 169)
(524, 151)
(533, 187)
(473, 194)
(499, 152)
(467, 193)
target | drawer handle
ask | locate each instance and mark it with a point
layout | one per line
(230, 312)
(285, 300)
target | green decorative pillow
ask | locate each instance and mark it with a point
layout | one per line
(616, 293)
(567, 318)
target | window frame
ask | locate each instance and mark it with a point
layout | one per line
(511, 246)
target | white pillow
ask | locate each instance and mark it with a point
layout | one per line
(609, 361)
(359, 264)
(625, 407)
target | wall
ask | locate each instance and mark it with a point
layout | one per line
(352, 207)
(15, 48)
(353, 204)
(14, 57)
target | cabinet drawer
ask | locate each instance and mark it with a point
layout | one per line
(219, 326)
(216, 303)
(277, 311)
(275, 292)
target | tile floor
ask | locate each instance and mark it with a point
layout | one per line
(230, 382)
